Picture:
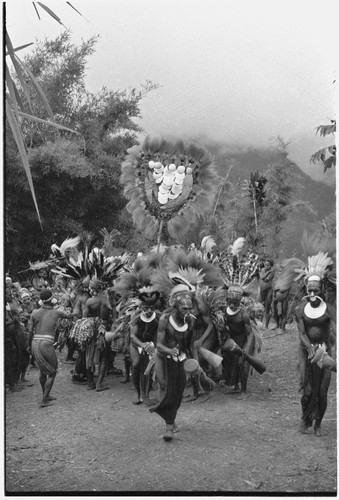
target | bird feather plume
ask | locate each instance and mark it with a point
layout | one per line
(237, 246)
(36, 266)
(189, 276)
(207, 244)
(312, 244)
(69, 243)
(290, 271)
(318, 264)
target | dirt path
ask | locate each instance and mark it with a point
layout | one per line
(100, 442)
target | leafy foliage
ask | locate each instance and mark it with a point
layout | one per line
(327, 156)
(76, 177)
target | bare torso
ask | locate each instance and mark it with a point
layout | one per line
(44, 320)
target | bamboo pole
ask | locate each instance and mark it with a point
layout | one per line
(220, 190)
(159, 235)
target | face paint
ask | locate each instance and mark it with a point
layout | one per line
(147, 311)
(233, 304)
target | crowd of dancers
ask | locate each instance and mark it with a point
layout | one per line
(177, 316)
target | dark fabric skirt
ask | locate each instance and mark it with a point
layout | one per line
(313, 379)
(175, 377)
(232, 363)
(145, 380)
(45, 357)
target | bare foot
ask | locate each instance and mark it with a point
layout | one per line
(302, 427)
(204, 397)
(168, 435)
(242, 396)
(175, 428)
(191, 397)
(42, 405)
(124, 381)
(151, 402)
(91, 387)
(99, 389)
(138, 401)
(51, 398)
(317, 431)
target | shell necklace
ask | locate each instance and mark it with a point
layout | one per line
(231, 312)
(315, 312)
(145, 319)
(181, 328)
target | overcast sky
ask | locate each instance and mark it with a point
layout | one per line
(240, 71)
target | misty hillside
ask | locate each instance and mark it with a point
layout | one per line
(321, 196)
(302, 145)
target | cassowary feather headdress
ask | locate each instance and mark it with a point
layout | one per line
(186, 270)
(137, 282)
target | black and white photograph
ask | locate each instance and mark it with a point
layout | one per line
(169, 248)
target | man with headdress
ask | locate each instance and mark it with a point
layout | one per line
(66, 251)
(79, 375)
(266, 276)
(39, 280)
(143, 335)
(238, 323)
(26, 305)
(41, 339)
(98, 309)
(173, 341)
(316, 321)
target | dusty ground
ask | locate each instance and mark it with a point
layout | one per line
(100, 442)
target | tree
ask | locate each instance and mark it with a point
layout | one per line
(254, 198)
(18, 109)
(327, 156)
(281, 199)
(76, 178)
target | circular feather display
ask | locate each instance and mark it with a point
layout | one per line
(168, 183)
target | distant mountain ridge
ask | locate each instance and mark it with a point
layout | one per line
(320, 195)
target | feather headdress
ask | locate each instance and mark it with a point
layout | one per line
(139, 278)
(239, 270)
(289, 271)
(207, 244)
(93, 265)
(312, 244)
(237, 246)
(186, 270)
(194, 269)
(67, 243)
(168, 183)
(37, 266)
(316, 267)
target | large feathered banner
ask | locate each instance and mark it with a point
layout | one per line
(168, 183)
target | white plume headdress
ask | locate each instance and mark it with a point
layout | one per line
(320, 257)
(239, 270)
(67, 243)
